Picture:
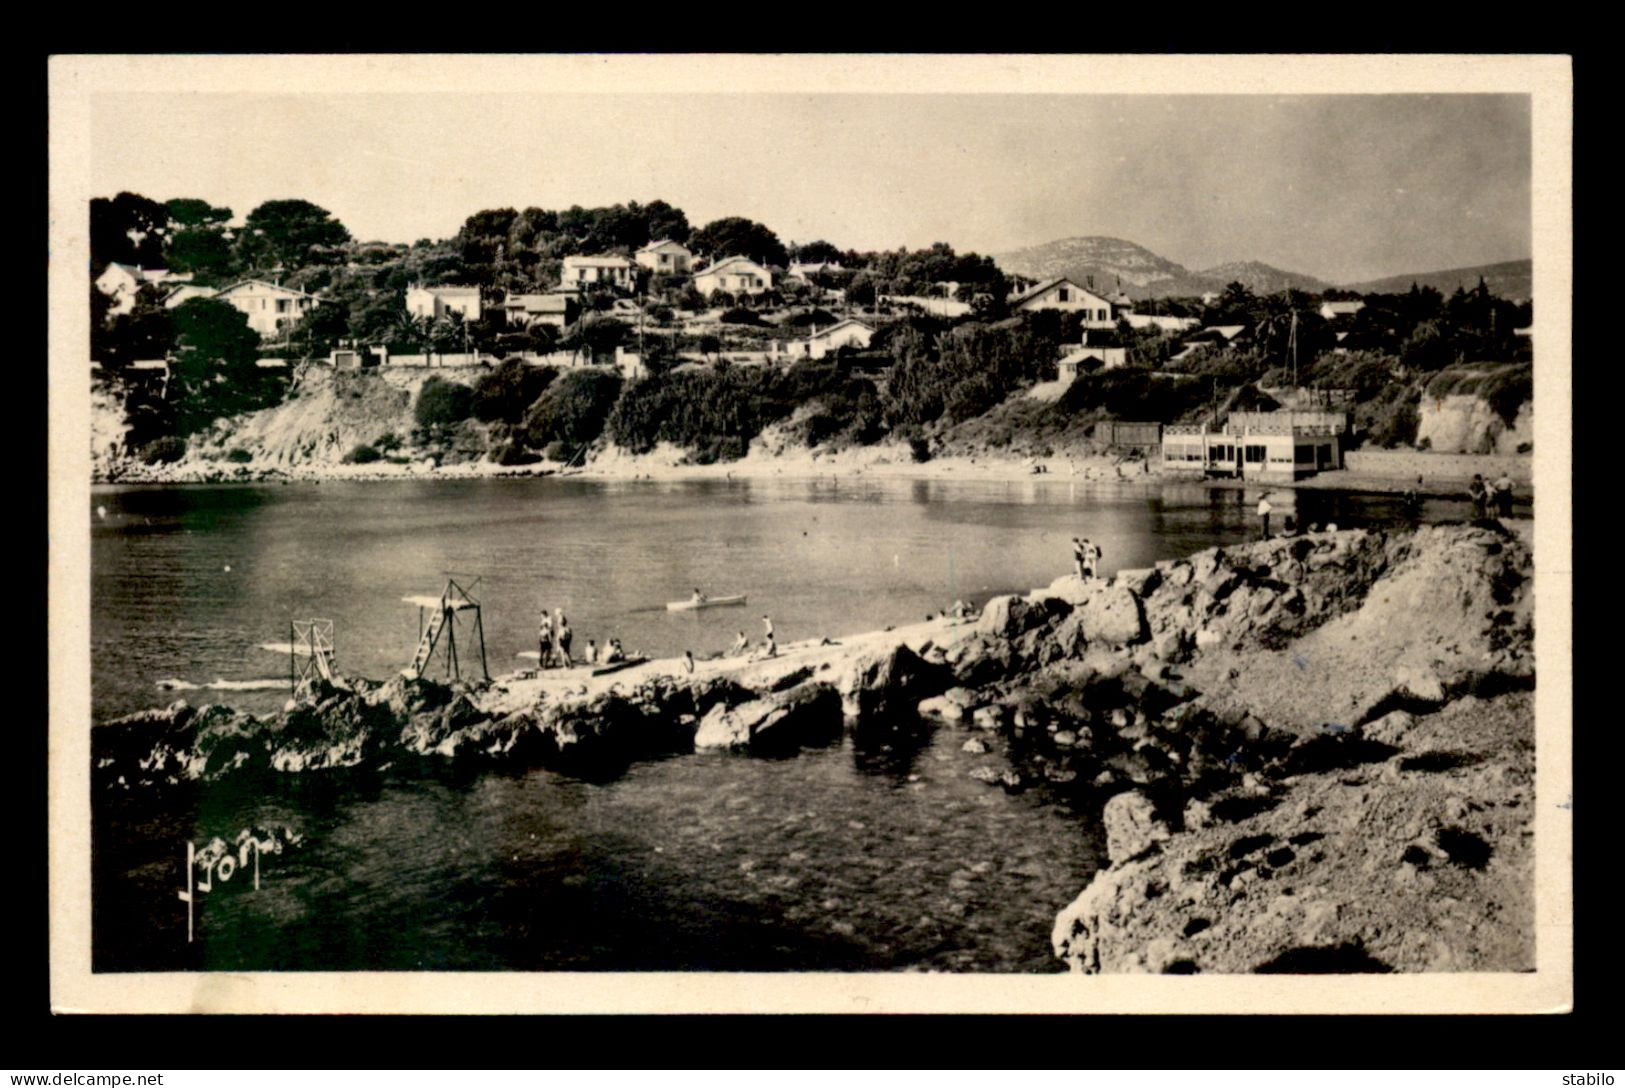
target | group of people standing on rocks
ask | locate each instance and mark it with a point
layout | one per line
(1085, 557)
(1488, 497)
(553, 637)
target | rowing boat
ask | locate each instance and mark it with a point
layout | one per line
(704, 602)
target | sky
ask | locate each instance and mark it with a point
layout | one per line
(1341, 187)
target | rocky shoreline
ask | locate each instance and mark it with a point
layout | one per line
(1309, 754)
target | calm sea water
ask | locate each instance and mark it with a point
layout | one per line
(841, 858)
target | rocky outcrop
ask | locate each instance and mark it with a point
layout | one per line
(1382, 819)
(1306, 754)
(779, 722)
(890, 683)
(1417, 859)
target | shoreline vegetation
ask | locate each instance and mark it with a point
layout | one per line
(1314, 753)
(560, 333)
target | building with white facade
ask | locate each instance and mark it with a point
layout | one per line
(666, 257)
(736, 276)
(437, 302)
(581, 272)
(1067, 297)
(272, 310)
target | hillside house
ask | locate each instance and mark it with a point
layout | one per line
(272, 309)
(581, 272)
(850, 333)
(120, 282)
(557, 310)
(1165, 322)
(1333, 310)
(1086, 358)
(437, 302)
(736, 276)
(806, 270)
(1067, 297)
(666, 257)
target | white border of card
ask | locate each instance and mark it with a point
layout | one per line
(75, 80)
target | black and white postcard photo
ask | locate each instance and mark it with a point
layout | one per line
(810, 534)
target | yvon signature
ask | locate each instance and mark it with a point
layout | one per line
(218, 862)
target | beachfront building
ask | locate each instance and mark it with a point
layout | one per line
(1268, 446)
(666, 257)
(581, 272)
(272, 310)
(437, 302)
(1128, 434)
(555, 309)
(1067, 297)
(734, 275)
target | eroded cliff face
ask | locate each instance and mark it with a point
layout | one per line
(1463, 423)
(1312, 753)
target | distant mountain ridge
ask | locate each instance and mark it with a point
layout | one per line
(1142, 274)
(1260, 278)
(1508, 279)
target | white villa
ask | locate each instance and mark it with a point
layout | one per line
(437, 302)
(580, 271)
(735, 275)
(849, 333)
(272, 309)
(1064, 295)
(666, 256)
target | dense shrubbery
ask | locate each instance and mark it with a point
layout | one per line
(162, 451)
(443, 403)
(513, 453)
(966, 371)
(507, 392)
(574, 409)
(688, 408)
(1137, 395)
(1389, 418)
(239, 456)
(362, 454)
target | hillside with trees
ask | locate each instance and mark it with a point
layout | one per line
(924, 380)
